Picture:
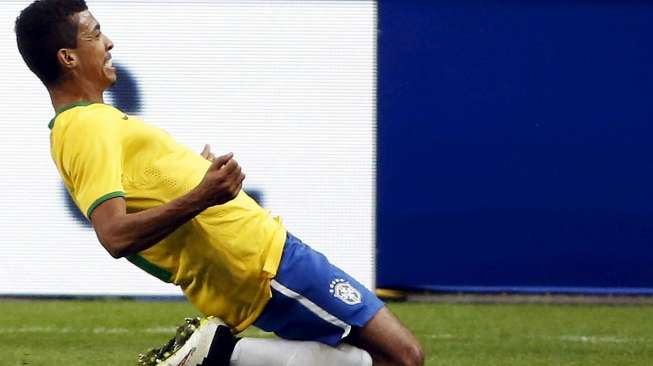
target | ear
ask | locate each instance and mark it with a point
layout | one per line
(67, 58)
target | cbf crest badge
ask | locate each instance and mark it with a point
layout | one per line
(344, 291)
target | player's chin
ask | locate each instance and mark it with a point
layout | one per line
(110, 75)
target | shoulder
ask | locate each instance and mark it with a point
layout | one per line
(95, 114)
(87, 121)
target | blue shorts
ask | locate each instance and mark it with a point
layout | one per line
(313, 300)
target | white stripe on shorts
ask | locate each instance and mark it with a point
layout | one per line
(313, 307)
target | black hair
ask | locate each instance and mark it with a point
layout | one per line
(42, 29)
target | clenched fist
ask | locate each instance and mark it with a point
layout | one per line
(222, 181)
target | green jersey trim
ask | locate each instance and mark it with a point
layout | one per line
(150, 268)
(67, 107)
(100, 200)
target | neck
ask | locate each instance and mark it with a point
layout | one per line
(69, 92)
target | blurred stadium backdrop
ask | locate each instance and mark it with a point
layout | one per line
(514, 139)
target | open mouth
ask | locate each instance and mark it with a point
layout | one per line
(109, 62)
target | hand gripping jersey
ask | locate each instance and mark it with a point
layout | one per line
(223, 259)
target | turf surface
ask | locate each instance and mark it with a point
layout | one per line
(75, 333)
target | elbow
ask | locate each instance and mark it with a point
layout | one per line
(112, 230)
(116, 253)
(115, 247)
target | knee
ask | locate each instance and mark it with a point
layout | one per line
(413, 355)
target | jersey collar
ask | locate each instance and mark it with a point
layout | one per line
(67, 107)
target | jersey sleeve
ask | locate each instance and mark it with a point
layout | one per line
(92, 159)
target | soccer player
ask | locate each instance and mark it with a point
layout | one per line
(184, 218)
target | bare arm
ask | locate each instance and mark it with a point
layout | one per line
(123, 234)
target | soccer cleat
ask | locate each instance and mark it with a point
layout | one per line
(198, 342)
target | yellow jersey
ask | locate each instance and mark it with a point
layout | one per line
(223, 258)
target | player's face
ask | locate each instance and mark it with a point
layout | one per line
(94, 60)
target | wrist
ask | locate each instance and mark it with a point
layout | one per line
(196, 199)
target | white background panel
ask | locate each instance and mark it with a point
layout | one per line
(288, 86)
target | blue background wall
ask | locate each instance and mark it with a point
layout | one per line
(516, 145)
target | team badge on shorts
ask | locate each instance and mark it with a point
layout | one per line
(344, 291)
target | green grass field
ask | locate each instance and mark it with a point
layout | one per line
(112, 332)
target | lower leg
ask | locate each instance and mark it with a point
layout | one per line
(209, 342)
(279, 352)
